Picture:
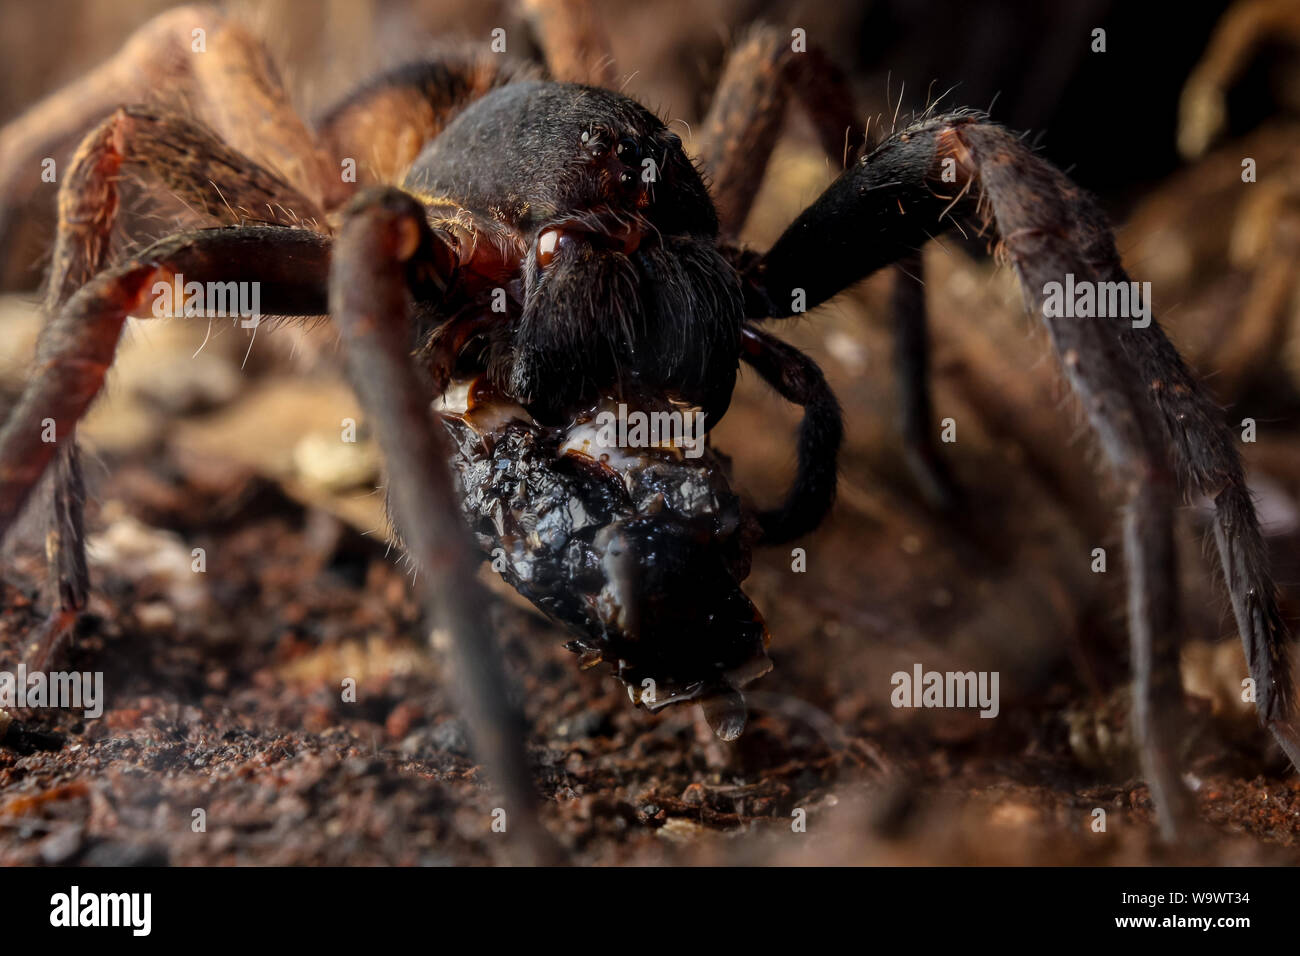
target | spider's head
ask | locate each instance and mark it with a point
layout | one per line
(619, 279)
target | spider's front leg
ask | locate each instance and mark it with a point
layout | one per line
(1158, 428)
(385, 250)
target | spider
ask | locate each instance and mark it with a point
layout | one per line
(579, 210)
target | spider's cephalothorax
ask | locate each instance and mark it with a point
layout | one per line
(584, 209)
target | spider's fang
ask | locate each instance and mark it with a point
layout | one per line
(621, 237)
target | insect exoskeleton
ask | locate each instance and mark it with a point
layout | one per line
(622, 527)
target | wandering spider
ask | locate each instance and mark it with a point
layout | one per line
(550, 249)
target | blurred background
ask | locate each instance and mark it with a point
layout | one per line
(224, 693)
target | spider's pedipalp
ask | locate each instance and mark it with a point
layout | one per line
(797, 379)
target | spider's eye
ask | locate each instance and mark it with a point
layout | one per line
(628, 150)
(595, 142)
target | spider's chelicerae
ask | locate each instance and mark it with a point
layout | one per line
(550, 253)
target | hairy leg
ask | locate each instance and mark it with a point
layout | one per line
(1158, 428)
(77, 344)
(383, 236)
(798, 379)
(761, 74)
(573, 41)
(383, 125)
(215, 182)
(190, 60)
(67, 575)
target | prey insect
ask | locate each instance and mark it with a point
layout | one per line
(551, 250)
